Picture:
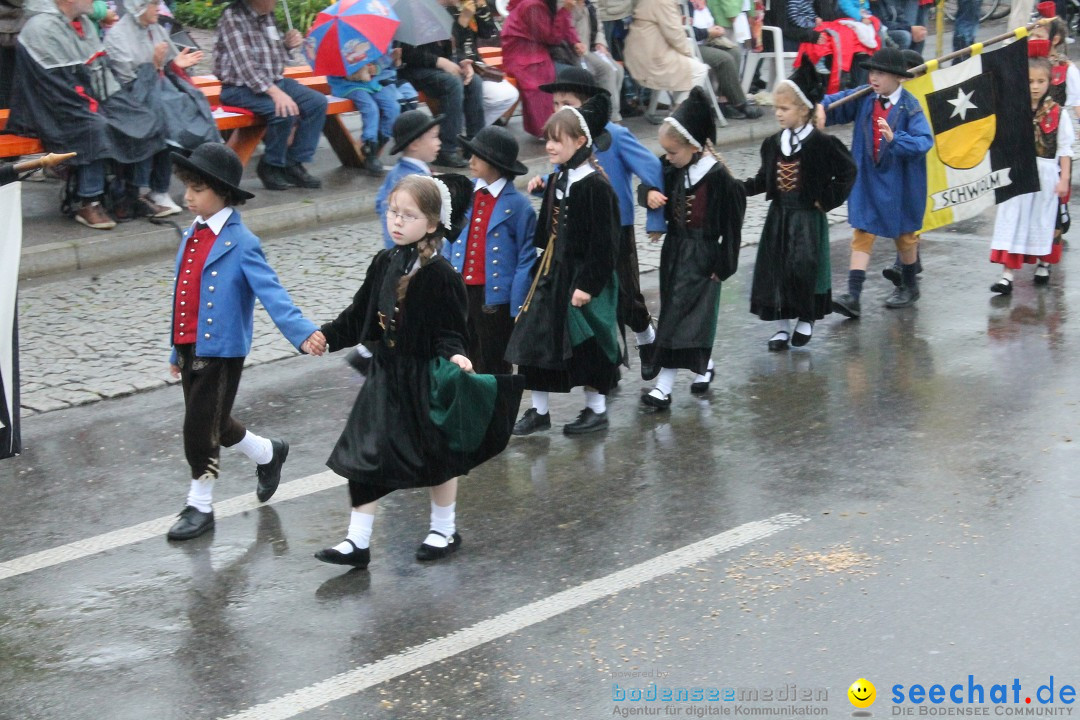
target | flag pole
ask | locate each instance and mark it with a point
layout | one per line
(288, 17)
(934, 64)
(42, 162)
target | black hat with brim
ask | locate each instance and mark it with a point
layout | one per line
(411, 125)
(574, 80)
(218, 163)
(497, 147)
(889, 60)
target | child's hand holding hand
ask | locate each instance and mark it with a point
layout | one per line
(655, 236)
(315, 344)
(580, 299)
(656, 199)
(462, 362)
(537, 183)
(174, 370)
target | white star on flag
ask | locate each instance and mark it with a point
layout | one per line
(962, 104)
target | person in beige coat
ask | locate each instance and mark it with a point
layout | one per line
(658, 52)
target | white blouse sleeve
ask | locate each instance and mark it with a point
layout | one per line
(1066, 134)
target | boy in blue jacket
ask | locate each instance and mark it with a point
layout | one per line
(891, 139)
(495, 251)
(621, 160)
(220, 271)
(416, 137)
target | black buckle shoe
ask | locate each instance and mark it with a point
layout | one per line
(799, 339)
(191, 523)
(1002, 287)
(646, 353)
(426, 553)
(357, 558)
(531, 422)
(273, 177)
(270, 474)
(652, 401)
(779, 341)
(847, 305)
(587, 421)
(902, 297)
(700, 388)
(300, 176)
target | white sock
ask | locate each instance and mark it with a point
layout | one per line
(362, 349)
(1007, 275)
(705, 377)
(665, 381)
(595, 401)
(1042, 269)
(783, 326)
(540, 402)
(646, 336)
(201, 494)
(442, 521)
(359, 532)
(804, 328)
(257, 448)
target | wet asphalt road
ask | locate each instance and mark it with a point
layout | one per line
(930, 451)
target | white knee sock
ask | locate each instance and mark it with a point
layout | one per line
(1007, 274)
(646, 336)
(665, 381)
(804, 328)
(705, 377)
(201, 494)
(257, 448)
(443, 520)
(540, 402)
(783, 326)
(359, 532)
(595, 401)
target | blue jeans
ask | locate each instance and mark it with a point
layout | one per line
(91, 179)
(462, 104)
(154, 172)
(967, 23)
(378, 111)
(309, 124)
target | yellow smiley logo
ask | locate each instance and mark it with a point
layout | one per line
(862, 693)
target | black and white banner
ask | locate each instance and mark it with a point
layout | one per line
(10, 252)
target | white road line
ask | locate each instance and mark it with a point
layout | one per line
(414, 658)
(157, 528)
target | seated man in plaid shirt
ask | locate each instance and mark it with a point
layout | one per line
(249, 58)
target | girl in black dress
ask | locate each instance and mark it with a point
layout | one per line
(805, 173)
(566, 333)
(703, 206)
(422, 417)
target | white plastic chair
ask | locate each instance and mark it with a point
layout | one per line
(781, 61)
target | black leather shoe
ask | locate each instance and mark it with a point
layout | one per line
(273, 177)
(451, 160)
(300, 176)
(358, 362)
(587, 422)
(357, 558)
(191, 523)
(779, 341)
(1002, 287)
(799, 339)
(902, 297)
(1041, 279)
(531, 422)
(372, 164)
(847, 305)
(700, 388)
(426, 553)
(270, 473)
(655, 402)
(649, 369)
(893, 274)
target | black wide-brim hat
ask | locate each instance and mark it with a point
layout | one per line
(889, 60)
(497, 147)
(574, 80)
(217, 162)
(411, 125)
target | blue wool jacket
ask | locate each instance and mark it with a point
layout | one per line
(627, 157)
(236, 272)
(400, 170)
(509, 252)
(889, 197)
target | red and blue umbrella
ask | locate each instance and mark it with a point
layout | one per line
(350, 34)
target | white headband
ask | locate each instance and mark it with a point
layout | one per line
(798, 92)
(683, 131)
(584, 125)
(447, 210)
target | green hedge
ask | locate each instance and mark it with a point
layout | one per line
(206, 13)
